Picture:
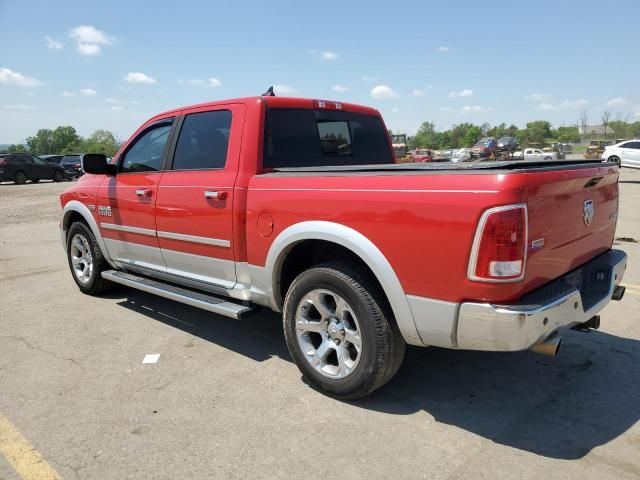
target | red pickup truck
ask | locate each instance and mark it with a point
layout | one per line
(298, 205)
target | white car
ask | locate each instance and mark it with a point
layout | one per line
(537, 154)
(625, 154)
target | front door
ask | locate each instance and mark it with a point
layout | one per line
(194, 214)
(42, 170)
(126, 201)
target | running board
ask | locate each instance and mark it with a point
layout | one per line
(205, 301)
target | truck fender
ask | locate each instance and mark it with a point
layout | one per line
(82, 209)
(358, 244)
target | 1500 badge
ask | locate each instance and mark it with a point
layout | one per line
(104, 211)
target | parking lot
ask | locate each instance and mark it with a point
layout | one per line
(224, 399)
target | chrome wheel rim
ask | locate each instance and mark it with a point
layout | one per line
(328, 333)
(81, 259)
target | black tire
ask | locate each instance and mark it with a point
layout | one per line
(382, 348)
(615, 159)
(35, 180)
(547, 158)
(95, 284)
(20, 178)
(58, 176)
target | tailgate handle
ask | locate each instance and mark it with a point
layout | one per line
(592, 182)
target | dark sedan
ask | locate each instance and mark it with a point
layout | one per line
(72, 165)
(20, 167)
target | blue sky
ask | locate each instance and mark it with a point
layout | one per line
(114, 64)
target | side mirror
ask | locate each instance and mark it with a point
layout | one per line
(97, 164)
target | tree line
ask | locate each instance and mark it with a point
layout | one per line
(540, 131)
(65, 139)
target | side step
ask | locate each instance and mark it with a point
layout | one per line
(205, 301)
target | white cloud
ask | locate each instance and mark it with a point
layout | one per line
(474, 109)
(53, 44)
(395, 109)
(564, 105)
(443, 49)
(116, 107)
(89, 39)
(138, 77)
(20, 107)
(537, 97)
(68, 94)
(545, 106)
(581, 102)
(416, 92)
(462, 93)
(327, 55)
(9, 77)
(617, 102)
(383, 91)
(282, 89)
(88, 92)
(208, 82)
(340, 88)
(367, 79)
(446, 109)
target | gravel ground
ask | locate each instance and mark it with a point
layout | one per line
(225, 401)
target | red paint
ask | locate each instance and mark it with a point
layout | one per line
(423, 223)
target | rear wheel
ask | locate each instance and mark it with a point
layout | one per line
(615, 159)
(35, 180)
(58, 176)
(86, 260)
(20, 177)
(341, 332)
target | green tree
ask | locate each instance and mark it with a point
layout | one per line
(41, 143)
(567, 134)
(101, 141)
(17, 148)
(64, 139)
(537, 132)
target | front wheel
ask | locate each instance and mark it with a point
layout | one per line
(20, 177)
(86, 260)
(340, 331)
(615, 159)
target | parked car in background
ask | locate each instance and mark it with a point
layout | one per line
(507, 144)
(442, 155)
(72, 165)
(484, 147)
(461, 155)
(625, 154)
(55, 159)
(538, 154)
(517, 155)
(21, 167)
(422, 155)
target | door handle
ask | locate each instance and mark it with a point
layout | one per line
(211, 195)
(144, 192)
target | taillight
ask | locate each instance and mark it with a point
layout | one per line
(3, 162)
(327, 105)
(499, 252)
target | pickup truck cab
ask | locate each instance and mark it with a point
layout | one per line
(299, 206)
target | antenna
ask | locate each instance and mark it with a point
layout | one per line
(269, 92)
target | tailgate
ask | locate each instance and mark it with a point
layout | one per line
(572, 218)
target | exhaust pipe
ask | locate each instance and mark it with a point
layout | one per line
(550, 346)
(618, 293)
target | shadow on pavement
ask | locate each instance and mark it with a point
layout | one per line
(559, 407)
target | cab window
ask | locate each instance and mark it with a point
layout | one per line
(146, 152)
(203, 141)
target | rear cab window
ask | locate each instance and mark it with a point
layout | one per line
(298, 137)
(203, 141)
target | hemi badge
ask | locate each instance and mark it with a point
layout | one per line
(537, 244)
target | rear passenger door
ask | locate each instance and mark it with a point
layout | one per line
(194, 209)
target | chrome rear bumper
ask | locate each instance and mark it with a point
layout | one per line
(567, 301)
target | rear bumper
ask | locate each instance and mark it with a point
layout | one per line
(567, 301)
